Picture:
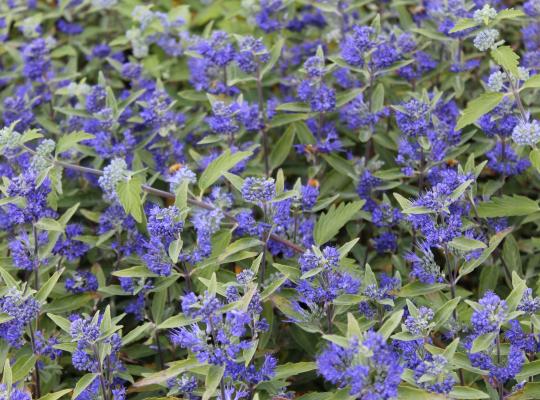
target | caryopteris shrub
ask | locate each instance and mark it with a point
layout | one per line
(269, 199)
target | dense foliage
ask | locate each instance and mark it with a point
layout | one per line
(269, 199)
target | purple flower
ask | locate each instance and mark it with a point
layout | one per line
(433, 375)
(217, 49)
(424, 267)
(258, 190)
(251, 55)
(327, 284)
(309, 194)
(356, 44)
(69, 247)
(490, 315)
(37, 62)
(369, 366)
(22, 309)
(268, 17)
(164, 223)
(419, 324)
(81, 282)
(528, 303)
(414, 119)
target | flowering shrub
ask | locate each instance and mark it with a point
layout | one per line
(269, 199)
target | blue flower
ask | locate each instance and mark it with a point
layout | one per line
(424, 267)
(251, 55)
(81, 282)
(23, 309)
(369, 366)
(258, 190)
(433, 375)
(490, 315)
(356, 44)
(419, 324)
(69, 247)
(37, 60)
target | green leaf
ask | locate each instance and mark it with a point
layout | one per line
(294, 107)
(353, 327)
(238, 246)
(193, 95)
(47, 288)
(417, 289)
(5, 317)
(284, 371)
(529, 369)
(534, 156)
(275, 53)
(511, 254)
(176, 321)
(450, 350)
(217, 167)
(329, 8)
(412, 393)
(176, 368)
(515, 296)
(458, 192)
(67, 142)
(329, 223)
(55, 395)
(347, 247)
(282, 148)
(136, 333)
(83, 383)
(483, 342)
(129, 192)
(531, 391)
(124, 104)
(391, 324)
(181, 195)
(8, 279)
(465, 392)
(7, 374)
(235, 180)
(22, 367)
(212, 285)
(62, 322)
(377, 98)
(213, 378)
(337, 339)
(292, 272)
(445, 311)
(174, 249)
(348, 96)
(532, 83)
(139, 271)
(66, 216)
(509, 13)
(49, 224)
(16, 200)
(463, 24)
(403, 202)
(431, 34)
(494, 242)
(507, 206)
(466, 244)
(69, 303)
(286, 119)
(273, 286)
(478, 107)
(506, 58)
(340, 164)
